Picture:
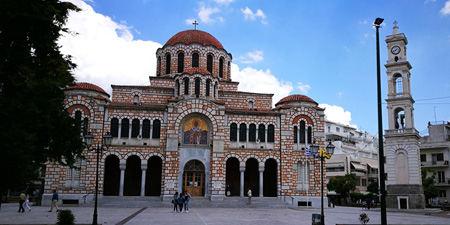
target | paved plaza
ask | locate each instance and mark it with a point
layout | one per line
(216, 216)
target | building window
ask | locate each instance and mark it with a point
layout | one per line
(295, 134)
(125, 128)
(197, 87)
(398, 85)
(221, 67)
(338, 129)
(177, 86)
(443, 194)
(329, 129)
(186, 86)
(115, 127)
(135, 99)
(250, 104)
(135, 128)
(180, 62)
(167, 64)
(302, 176)
(363, 182)
(423, 157)
(233, 132)
(358, 182)
(195, 60)
(302, 132)
(309, 135)
(252, 132)
(73, 175)
(441, 176)
(208, 87)
(156, 129)
(437, 157)
(271, 133)
(146, 128)
(243, 132)
(262, 133)
(209, 63)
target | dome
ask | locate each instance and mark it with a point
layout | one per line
(194, 36)
(295, 98)
(87, 86)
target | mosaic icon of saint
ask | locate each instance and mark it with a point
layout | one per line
(195, 134)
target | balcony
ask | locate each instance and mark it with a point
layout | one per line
(401, 131)
(431, 164)
(441, 182)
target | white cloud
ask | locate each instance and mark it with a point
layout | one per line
(190, 21)
(337, 114)
(105, 51)
(304, 88)
(260, 81)
(252, 57)
(224, 2)
(205, 13)
(249, 15)
(446, 10)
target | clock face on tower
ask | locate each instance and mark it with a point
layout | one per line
(395, 50)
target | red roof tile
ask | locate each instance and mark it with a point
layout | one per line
(196, 70)
(295, 98)
(86, 86)
(194, 36)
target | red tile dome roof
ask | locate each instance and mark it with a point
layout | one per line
(87, 86)
(295, 98)
(196, 70)
(194, 36)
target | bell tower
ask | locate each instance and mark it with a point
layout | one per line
(404, 181)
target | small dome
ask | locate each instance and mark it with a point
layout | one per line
(87, 86)
(194, 36)
(295, 98)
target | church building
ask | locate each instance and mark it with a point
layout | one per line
(192, 130)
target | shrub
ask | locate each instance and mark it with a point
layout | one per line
(66, 217)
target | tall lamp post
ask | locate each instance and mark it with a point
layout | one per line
(330, 150)
(106, 142)
(377, 25)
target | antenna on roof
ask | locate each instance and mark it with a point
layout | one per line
(195, 24)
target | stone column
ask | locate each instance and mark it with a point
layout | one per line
(122, 166)
(144, 170)
(261, 177)
(242, 170)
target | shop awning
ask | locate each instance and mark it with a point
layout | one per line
(359, 166)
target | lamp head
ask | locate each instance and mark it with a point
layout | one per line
(314, 147)
(378, 21)
(88, 139)
(330, 149)
(107, 139)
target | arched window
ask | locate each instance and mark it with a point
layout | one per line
(262, 133)
(309, 134)
(156, 129)
(250, 104)
(242, 132)
(158, 67)
(295, 134)
(209, 63)
(221, 67)
(78, 115)
(135, 99)
(195, 60)
(270, 133)
(398, 85)
(180, 62)
(146, 128)
(252, 132)
(167, 64)
(177, 86)
(135, 128)
(115, 127)
(208, 87)
(302, 132)
(197, 87)
(233, 132)
(125, 128)
(186, 86)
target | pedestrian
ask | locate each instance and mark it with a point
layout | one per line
(187, 197)
(54, 201)
(175, 202)
(249, 194)
(368, 202)
(181, 202)
(27, 202)
(21, 201)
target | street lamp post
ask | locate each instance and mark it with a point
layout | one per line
(377, 25)
(106, 142)
(330, 150)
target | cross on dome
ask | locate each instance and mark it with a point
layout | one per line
(395, 23)
(195, 24)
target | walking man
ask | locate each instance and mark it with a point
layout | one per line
(54, 201)
(187, 197)
(21, 201)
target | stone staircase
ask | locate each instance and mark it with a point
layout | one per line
(195, 202)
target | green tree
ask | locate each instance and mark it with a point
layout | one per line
(343, 184)
(373, 187)
(35, 127)
(429, 189)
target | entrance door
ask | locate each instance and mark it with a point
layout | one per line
(194, 178)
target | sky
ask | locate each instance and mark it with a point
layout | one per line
(325, 50)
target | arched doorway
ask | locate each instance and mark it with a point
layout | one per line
(194, 178)
(233, 176)
(153, 177)
(111, 179)
(270, 178)
(133, 176)
(251, 177)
